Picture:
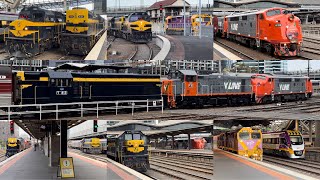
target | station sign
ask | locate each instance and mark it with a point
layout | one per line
(66, 168)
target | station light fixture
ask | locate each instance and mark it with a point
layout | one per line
(95, 126)
(12, 127)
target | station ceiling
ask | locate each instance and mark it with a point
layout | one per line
(34, 127)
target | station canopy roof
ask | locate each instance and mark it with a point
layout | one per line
(89, 67)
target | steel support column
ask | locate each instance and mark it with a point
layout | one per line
(63, 138)
(189, 142)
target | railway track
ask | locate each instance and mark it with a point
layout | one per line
(176, 168)
(225, 45)
(142, 52)
(303, 166)
(2, 156)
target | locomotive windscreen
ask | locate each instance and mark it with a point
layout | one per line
(139, 16)
(296, 140)
(255, 135)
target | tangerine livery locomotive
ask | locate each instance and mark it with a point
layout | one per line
(244, 141)
(273, 30)
(187, 88)
(83, 30)
(129, 148)
(285, 143)
(35, 31)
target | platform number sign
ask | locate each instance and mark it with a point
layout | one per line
(66, 168)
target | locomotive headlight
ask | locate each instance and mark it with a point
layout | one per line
(26, 28)
(277, 25)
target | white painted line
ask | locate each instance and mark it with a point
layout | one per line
(165, 46)
(95, 51)
(225, 52)
(129, 170)
(274, 167)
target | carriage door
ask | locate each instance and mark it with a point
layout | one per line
(60, 87)
(259, 17)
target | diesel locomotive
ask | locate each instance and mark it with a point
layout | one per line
(243, 141)
(187, 88)
(135, 28)
(16, 145)
(175, 24)
(66, 87)
(35, 31)
(129, 148)
(272, 30)
(83, 30)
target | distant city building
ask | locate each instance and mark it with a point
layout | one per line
(5, 132)
(275, 66)
(197, 65)
(170, 8)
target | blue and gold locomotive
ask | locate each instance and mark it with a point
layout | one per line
(130, 148)
(35, 31)
(135, 28)
(66, 87)
(83, 30)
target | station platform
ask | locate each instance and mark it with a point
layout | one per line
(30, 165)
(220, 53)
(196, 151)
(189, 48)
(229, 166)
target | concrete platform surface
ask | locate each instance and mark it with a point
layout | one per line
(220, 53)
(30, 165)
(229, 167)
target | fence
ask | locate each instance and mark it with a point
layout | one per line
(79, 109)
(311, 32)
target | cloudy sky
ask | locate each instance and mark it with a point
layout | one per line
(295, 65)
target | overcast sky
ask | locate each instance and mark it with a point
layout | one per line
(295, 65)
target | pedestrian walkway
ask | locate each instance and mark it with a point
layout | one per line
(30, 165)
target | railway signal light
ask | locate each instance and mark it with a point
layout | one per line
(161, 8)
(12, 127)
(95, 126)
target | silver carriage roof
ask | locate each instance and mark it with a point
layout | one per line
(250, 12)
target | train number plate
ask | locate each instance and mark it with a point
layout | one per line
(61, 93)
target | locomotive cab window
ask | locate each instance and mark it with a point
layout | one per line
(38, 17)
(255, 135)
(61, 82)
(244, 135)
(296, 140)
(273, 12)
(136, 137)
(191, 78)
(261, 16)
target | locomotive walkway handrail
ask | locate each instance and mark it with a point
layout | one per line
(78, 108)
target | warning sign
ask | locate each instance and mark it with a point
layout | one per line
(66, 168)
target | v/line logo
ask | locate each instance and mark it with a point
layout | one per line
(284, 87)
(232, 85)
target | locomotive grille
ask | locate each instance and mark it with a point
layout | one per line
(298, 153)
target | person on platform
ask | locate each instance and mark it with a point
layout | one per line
(35, 146)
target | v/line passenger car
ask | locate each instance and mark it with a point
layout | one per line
(285, 143)
(129, 148)
(243, 141)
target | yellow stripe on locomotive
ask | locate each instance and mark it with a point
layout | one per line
(135, 146)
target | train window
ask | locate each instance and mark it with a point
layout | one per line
(234, 19)
(273, 12)
(136, 137)
(244, 18)
(128, 137)
(244, 135)
(261, 16)
(296, 140)
(255, 135)
(191, 78)
(38, 17)
(283, 141)
(206, 19)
